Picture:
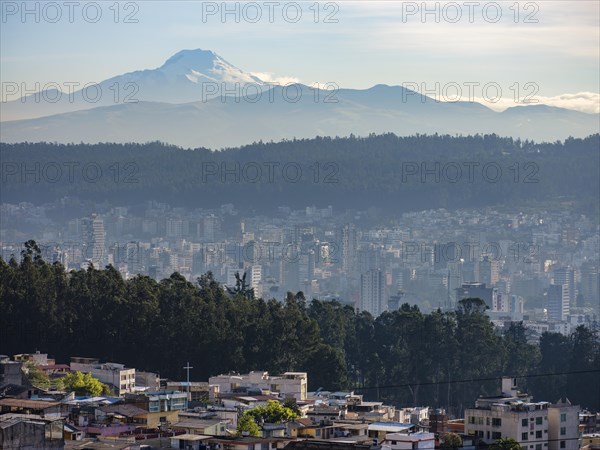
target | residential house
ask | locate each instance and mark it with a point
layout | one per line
(36, 358)
(413, 415)
(198, 426)
(287, 385)
(45, 409)
(120, 378)
(121, 412)
(10, 371)
(563, 426)
(510, 415)
(591, 441)
(198, 389)
(330, 445)
(379, 430)
(147, 380)
(248, 443)
(55, 370)
(323, 413)
(30, 432)
(190, 442)
(408, 441)
(159, 401)
(72, 433)
(17, 391)
(589, 423)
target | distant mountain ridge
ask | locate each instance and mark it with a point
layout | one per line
(196, 98)
(179, 80)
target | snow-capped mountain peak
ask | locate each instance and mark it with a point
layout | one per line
(205, 66)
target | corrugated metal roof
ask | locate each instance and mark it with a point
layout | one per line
(389, 426)
(127, 410)
(31, 404)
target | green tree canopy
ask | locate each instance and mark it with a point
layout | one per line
(272, 412)
(157, 327)
(83, 384)
(505, 444)
(247, 424)
(35, 376)
(450, 441)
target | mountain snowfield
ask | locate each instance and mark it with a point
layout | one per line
(198, 99)
(189, 75)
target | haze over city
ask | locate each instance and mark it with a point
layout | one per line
(300, 225)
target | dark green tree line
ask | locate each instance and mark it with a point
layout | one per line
(403, 357)
(351, 172)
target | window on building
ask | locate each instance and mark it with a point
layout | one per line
(538, 420)
(563, 417)
(496, 422)
(487, 435)
(472, 420)
(563, 444)
(563, 431)
(538, 434)
(487, 421)
(524, 422)
(524, 436)
(538, 446)
(496, 435)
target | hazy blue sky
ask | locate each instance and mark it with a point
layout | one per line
(554, 44)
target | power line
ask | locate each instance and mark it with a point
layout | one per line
(525, 443)
(473, 380)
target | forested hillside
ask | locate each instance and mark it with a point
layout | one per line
(402, 357)
(392, 173)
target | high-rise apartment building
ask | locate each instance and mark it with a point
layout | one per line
(558, 302)
(94, 237)
(372, 292)
(565, 275)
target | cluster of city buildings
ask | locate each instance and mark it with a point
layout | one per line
(539, 267)
(147, 411)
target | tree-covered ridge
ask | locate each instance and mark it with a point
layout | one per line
(402, 357)
(385, 171)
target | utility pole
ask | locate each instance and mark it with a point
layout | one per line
(448, 293)
(188, 380)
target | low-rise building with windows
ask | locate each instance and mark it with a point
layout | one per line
(563, 430)
(287, 385)
(534, 425)
(159, 401)
(120, 378)
(408, 441)
(510, 415)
